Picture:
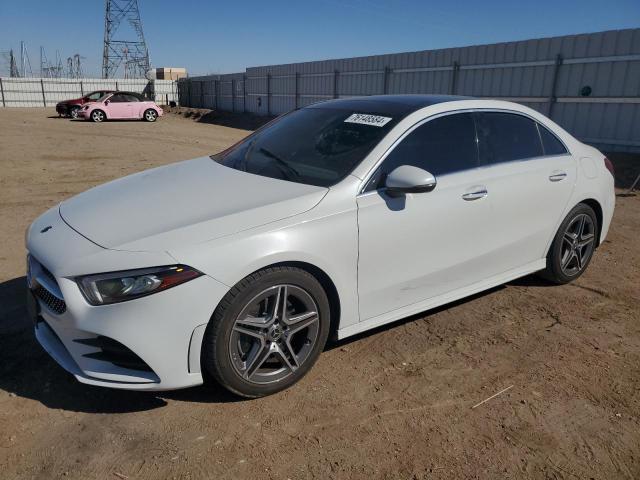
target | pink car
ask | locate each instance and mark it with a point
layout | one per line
(121, 105)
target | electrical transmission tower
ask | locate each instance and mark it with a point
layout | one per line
(132, 55)
(74, 66)
(49, 69)
(25, 63)
(10, 60)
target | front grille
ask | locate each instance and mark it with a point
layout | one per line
(113, 352)
(52, 302)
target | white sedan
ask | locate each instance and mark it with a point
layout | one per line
(332, 220)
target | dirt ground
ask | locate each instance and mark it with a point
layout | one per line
(393, 403)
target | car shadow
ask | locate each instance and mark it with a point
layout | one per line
(27, 371)
(532, 280)
(333, 343)
(242, 121)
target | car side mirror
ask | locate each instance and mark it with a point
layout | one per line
(106, 102)
(409, 179)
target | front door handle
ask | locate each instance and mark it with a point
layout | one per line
(557, 175)
(475, 193)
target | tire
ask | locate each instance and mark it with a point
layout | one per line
(573, 246)
(253, 352)
(150, 115)
(98, 116)
(73, 112)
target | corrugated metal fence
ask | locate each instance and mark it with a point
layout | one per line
(46, 92)
(589, 83)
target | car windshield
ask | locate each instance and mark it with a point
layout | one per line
(316, 146)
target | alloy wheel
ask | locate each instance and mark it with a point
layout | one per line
(578, 242)
(274, 334)
(150, 115)
(97, 116)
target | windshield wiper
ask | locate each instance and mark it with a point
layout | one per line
(280, 162)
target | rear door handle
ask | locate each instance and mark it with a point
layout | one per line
(557, 175)
(475, 193)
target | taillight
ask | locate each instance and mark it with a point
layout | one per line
(609, 165)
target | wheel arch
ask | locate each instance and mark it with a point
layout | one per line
(597, 208)
(325, 281)
(196, 353)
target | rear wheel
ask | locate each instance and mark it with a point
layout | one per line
(573, 245)
(267, 332)
(150, 115)
(98, 116)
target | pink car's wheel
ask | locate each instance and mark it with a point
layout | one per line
(97, 116)
(150, 115)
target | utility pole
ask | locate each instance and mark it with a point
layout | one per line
(22, 58)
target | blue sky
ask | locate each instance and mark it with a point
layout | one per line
(227, 36)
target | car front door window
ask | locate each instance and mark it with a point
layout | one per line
(440, 146)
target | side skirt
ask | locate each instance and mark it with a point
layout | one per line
(441, 299)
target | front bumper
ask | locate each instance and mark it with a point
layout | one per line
(62, 109)
(163, 331)
(82, 113)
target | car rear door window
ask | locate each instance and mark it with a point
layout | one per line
(504, 137)
(131, 98)
(550, 143)
(119, 98)
(440, 146)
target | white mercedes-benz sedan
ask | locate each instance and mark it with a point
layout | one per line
(329, 221)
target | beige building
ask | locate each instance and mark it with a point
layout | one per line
(170, 73)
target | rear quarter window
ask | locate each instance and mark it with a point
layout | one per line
(550, 143)
(504, 137)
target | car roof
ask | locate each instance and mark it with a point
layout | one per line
(388, 104)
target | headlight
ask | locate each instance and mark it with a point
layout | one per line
(106, 288)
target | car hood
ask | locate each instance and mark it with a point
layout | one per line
(183, 203)
(73, 101)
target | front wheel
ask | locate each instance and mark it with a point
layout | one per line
(267, 332)
(98, 116)
(150, 115)
(73, 113)
(573, 245)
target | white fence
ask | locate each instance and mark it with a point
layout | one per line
(46, 92)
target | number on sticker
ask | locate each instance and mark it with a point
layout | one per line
(367, 119)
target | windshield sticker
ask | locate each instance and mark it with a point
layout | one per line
(366, 119)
